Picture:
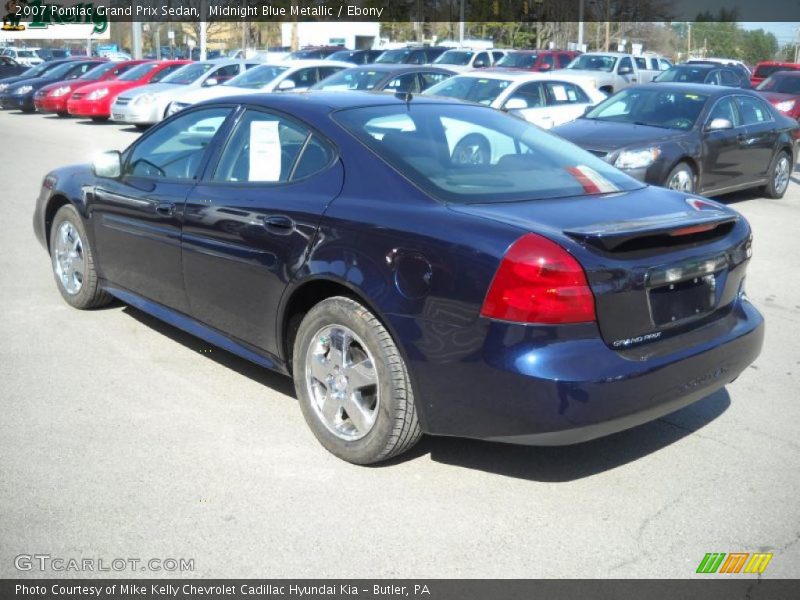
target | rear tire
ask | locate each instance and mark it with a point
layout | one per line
(62, 114)
(73, 262)
(780, 172)
(99, 119)
(681, 179)
(345, 359)
(141, 127)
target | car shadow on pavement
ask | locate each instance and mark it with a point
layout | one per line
(534, 463)
(276, 381)
(569, 463)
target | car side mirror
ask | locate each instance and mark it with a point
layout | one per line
(719, 124)
(286, 84)
(210, 81)
(479, 64)
(515, 104)
(625, 70)
(107, 164)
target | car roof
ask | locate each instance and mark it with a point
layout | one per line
(395, 68)
(325, 102)
(701, 66)
(700, 88)
(308, 62)
(514, 74)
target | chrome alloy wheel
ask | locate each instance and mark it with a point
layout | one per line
(68, 258)
(781, 174)
(342, 382)
(681, 181)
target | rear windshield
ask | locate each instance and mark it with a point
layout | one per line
(767, 70)
(188, 74)
(781, 83)
(25, 54)
(472, 154)
(344, 55)
(518, 60)
(481, 90)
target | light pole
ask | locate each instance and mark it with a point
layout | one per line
(580, 24)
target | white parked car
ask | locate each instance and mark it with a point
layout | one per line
(24, 56)
(544, 99)
(146, 105)
(288, 75)
(465, 59)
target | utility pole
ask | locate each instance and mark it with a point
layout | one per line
(203, 30)
(689, 45)
(136, 39)
(461, 24)
(608, 25)
(580, 24)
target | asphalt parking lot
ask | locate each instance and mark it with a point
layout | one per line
(121, 437)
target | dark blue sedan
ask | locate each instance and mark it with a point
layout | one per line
(416, 264)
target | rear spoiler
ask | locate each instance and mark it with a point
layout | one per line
(611, 235)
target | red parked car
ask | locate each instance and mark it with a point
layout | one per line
(766, 68)
(95, 100)
(782, 90)
(537, 60)
(53, 98)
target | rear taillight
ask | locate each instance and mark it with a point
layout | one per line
(539, 282)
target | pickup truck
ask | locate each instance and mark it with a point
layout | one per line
(608, 72)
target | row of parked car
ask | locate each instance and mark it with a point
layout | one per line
(641, 114)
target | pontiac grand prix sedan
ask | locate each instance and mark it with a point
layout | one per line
(542, 297)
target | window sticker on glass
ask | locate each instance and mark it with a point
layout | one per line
(265, 151)
(560, 93)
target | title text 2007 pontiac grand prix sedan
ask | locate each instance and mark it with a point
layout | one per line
(360, 243)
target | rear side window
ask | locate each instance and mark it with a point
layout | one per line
(641, 62)
(548, 59)
(531, 93)
(729, 78)
(561, 92)
(564, 60)
(753, 110)
(271, 149)
(225, 73)
(304, 77)
(403, 83)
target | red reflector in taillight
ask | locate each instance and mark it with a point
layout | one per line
(692, 229)
(539, 282)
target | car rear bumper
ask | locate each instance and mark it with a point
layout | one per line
(556, 385)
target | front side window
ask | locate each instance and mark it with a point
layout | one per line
(352, 79)
(518, 60)
(729, 78)
(188, 74)
(725, 109)
(469, 154)
(225, 73)
(455, 57)
(256, 78)
(270, 149)
(175, 150)
(625, 63)
(781, 83)
(304, 78)
(530, 93)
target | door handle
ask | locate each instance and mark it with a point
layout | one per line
(285, 224)
(167, 209)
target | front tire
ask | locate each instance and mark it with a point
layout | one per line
(352, 383)
(73, 262)
(681, 178)
(780, 171)
(99, 119)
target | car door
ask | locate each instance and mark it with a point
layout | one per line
(325, 72)
(532, 96)
(251, 220)
(723, 158)
(630, 77)
(304, 78)
(222, 74)
(760, 136)
(136, 218)
(566, 101)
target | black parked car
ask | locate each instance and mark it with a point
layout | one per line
(31, 73)
(9, 67)
(20, 95)
(357, 57)
(412, 55)
(711, 74)
(384, 78)
(702, 138)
